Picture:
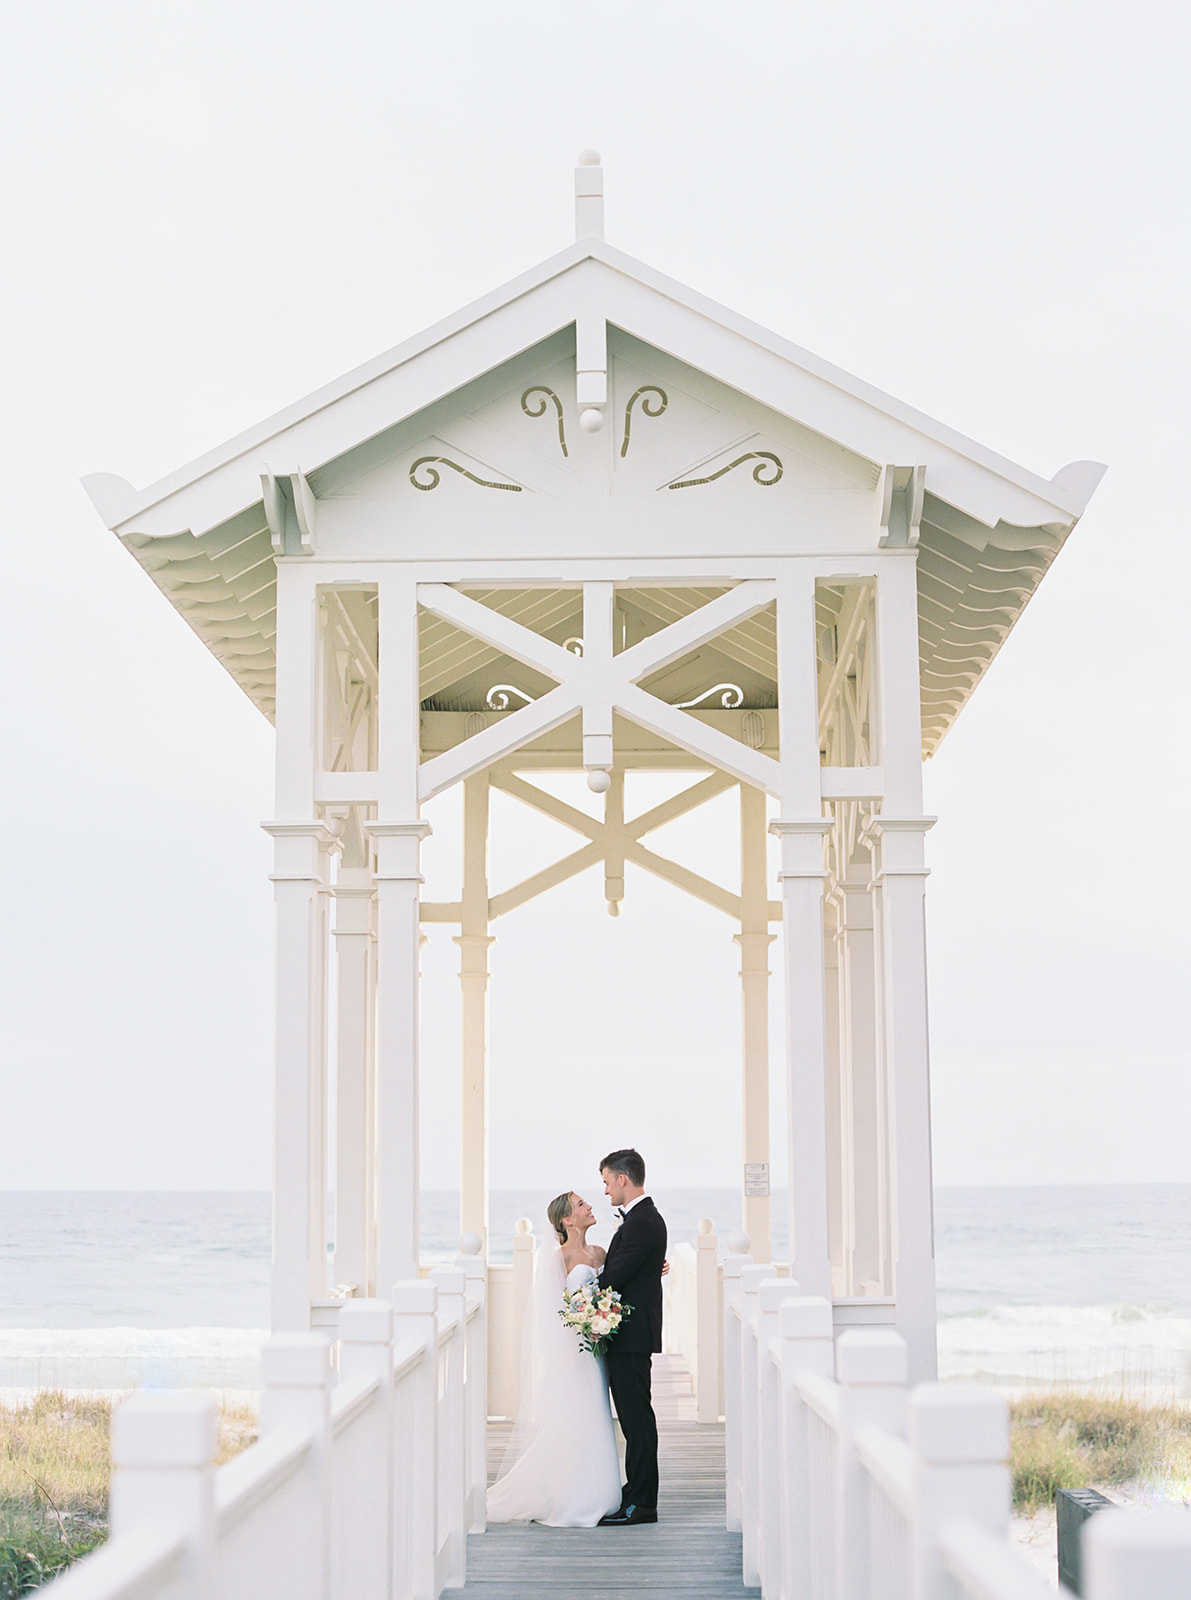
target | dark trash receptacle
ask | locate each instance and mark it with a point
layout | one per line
(1073, 1507)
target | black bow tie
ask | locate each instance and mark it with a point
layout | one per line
(620, 1212)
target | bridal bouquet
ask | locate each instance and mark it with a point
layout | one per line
(594, 1313)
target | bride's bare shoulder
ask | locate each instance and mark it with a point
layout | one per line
(599, 1253)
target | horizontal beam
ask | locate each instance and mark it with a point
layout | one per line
(852, 783)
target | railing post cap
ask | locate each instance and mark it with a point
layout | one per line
(806, 1316)
(165, 1430)
(415, 1297)
(734, 1265)
(871, 1355)
(522, 1229)
(366, 1322)
(449, 1280)
(706, 1226)
(1156, 1547)
(773, 1292)
(958, 1422)
(755, 1275)
(296, 1361)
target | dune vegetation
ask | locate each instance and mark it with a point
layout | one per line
(1077, 1441)
(54, 1471)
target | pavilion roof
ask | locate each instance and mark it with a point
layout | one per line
(989, 528)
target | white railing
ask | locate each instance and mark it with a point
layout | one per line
(694, 1318)
(361, 1484)
(848, 1485)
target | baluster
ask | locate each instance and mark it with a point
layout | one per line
(734, 1264)
(366, 1352)
(960, 1438)
(806, 1334)
(415, 1443)
(163, 1475)
(871, 1366)
(474, 1268)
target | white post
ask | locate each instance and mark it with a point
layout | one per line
(770, 1509)
(900, 830)
(734, 1264)
(858, 1023)
(870, 1367)
(398, 834)
(452, 1460)
(301, 856)
(363, 1541)
(960, 1438)
(523, 1257)
(754, 940)
(838, 1153)
(707, 1324)
(806, 1333)
(163, 1476)
(415, 1445)
(354, 1075)
(751, 1280)
(1132, 1557)
(471, 1263)
(801, 828)
(296, 1383)
(473, 941)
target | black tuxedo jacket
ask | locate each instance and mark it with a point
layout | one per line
(634, 1269)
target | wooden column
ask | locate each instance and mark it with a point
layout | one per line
(862, 1082)
(754, 940)
(473, 941)
(301, 846)
(838, 1143)
(355, 1079)
(800, 829)
(899, 833)
(398, 834)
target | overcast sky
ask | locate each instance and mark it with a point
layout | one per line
(214, 209)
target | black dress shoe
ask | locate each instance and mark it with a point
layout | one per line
(628, 1517)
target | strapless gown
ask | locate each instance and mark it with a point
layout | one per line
(561, 1468)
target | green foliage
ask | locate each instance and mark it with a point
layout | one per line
(1078, 1441)
(31, 1554)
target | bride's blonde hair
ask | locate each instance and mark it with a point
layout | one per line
(557, 1213)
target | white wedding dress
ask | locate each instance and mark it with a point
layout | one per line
(561, 1466)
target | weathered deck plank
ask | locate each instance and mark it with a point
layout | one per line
(688, 1554)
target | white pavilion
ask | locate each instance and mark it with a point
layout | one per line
(595, 521)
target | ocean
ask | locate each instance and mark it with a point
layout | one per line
(1038, 1287)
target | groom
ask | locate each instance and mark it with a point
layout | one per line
(634, 1269)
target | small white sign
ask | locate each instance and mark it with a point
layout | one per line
(756, 1180)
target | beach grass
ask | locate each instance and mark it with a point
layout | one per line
(1077, 1441)
(54, 1473)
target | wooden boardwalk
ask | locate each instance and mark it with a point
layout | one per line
(688, 1554)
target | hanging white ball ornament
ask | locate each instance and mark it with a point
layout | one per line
(591, 420)
(599, 782)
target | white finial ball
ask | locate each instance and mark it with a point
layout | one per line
(589, 158)
(614, 908)
(591, 420)
(599, 781)
(739, 1243)
(523, 1226)
(706, 1225)
(470, 1244)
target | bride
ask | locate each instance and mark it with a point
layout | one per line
(561, 1466)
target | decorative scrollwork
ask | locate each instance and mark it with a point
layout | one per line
(650, 409)
(766, 462)
(731, 699)
(539, 410)
(435, 478)
(498, 696)
(574, 645)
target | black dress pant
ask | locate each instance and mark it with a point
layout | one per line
(629, 1378)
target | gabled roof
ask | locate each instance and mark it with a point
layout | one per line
(989, 527)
